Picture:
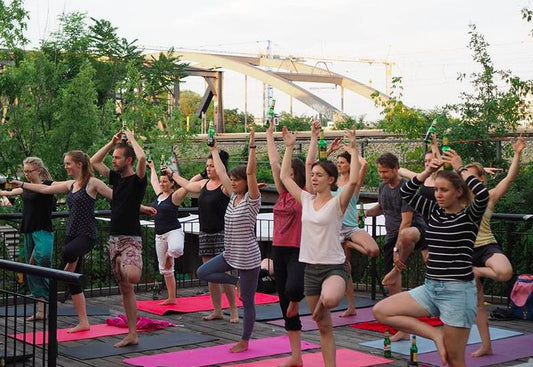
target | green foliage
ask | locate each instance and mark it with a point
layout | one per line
(13, 19)
(349, 122)
(235, 120)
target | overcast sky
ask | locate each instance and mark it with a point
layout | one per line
(426, 40)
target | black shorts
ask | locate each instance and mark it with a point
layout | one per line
(483, 253)
(388, 248)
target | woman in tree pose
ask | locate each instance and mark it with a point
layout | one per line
(489, 260)
(449, 289)
(169, 236)
(241, 250)
(36, 228)
(322, 215)
(80, 233)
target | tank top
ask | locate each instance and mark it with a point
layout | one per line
(485, 236)
(350, 215)
(212, 206)
(81, 220)
(166, 218)
(37, 211)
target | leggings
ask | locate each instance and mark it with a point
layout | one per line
(214, 271)
(75, 248)
(289, 273)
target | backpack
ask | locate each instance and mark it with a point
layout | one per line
(522, 297)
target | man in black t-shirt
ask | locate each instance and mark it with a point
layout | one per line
(125, 245)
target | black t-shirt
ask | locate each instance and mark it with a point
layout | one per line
(37, 211)
(128, 193)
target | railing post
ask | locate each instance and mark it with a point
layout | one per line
(373, 267)
(52, 324)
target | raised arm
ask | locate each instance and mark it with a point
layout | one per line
(404, 172)
(274, 159)
(154, 178)
(221, 170)
(355, 166)
(285, 174)
(311, 154)
(501, 188)
(362, 174)
(334, 146)
(190, 186)
(97, 160)
(139, 153)
(251, 168)
(57, 187)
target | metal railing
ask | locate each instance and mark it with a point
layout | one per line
(17, 331)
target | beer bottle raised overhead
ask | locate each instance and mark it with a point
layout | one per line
(322, 147)
(431, 130)
(446, 147)
(271, 114)
(211, 134)
(361, 216)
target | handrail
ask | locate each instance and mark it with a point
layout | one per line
(61, 275)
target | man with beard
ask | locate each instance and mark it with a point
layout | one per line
(125, 243)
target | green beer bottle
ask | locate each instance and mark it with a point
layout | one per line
(211, 134)
(387, 353)
(431, 130)
(446, 147)
(322, 147)
(413, 352)
(271, 114)
(361, 215)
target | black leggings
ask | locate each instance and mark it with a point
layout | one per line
(289, 273)
(75, 248)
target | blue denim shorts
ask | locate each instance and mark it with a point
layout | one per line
(454, 301)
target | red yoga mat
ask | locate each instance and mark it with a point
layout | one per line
(96, 331)
(197, 303)
(379, 327)
(345, 358)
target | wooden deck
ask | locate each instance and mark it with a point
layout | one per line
(346, 337)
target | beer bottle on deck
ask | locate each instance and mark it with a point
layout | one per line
(387, 353)
(413, 352)
(322, 147)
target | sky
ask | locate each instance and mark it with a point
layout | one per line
(425, 40)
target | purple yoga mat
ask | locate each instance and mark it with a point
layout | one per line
(363, 314)
(218, 354)
(504, 350)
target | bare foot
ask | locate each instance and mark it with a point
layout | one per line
(350, 311)
(392, 278)
(168, 301)
(319, 311)
(293, 309)
(234, 316)
(292, 362)
(439, 342)
(38, 316)
(78, 328)
(400, 335)
(213, 316)
(482, 351)
(128, 340)
(241, 346)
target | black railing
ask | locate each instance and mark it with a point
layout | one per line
(16, 351)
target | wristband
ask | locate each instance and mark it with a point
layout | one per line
(461, 170)
(252, 146)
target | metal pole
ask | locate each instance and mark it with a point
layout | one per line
(52, 324)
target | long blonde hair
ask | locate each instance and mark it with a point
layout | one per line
(44, 174)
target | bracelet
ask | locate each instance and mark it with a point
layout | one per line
(461, 170)
(252, 146)
(22, 186)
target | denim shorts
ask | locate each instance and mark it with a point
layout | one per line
(453, 300)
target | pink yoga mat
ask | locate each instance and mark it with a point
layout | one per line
(504, 350)
(197, 303)
(96, 331)
(345, 358)
(363, 314)
(218, 354)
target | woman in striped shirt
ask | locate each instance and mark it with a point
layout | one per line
(449, 289)
(241, 250)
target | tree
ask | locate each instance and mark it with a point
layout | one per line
(13, 24)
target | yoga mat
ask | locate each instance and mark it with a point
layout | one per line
(381, 328)
(427, 345)
(363, 314)
(62, 310)
(96, 331)
(146, 342)
(218, 354)
(504, 350)
(13, 358)
(273, 311)
(197, 303)
(345, 358)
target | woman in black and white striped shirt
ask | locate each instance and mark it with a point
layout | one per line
(449, 290)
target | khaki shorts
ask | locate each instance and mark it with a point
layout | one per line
(129, 249)
(316, 274)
